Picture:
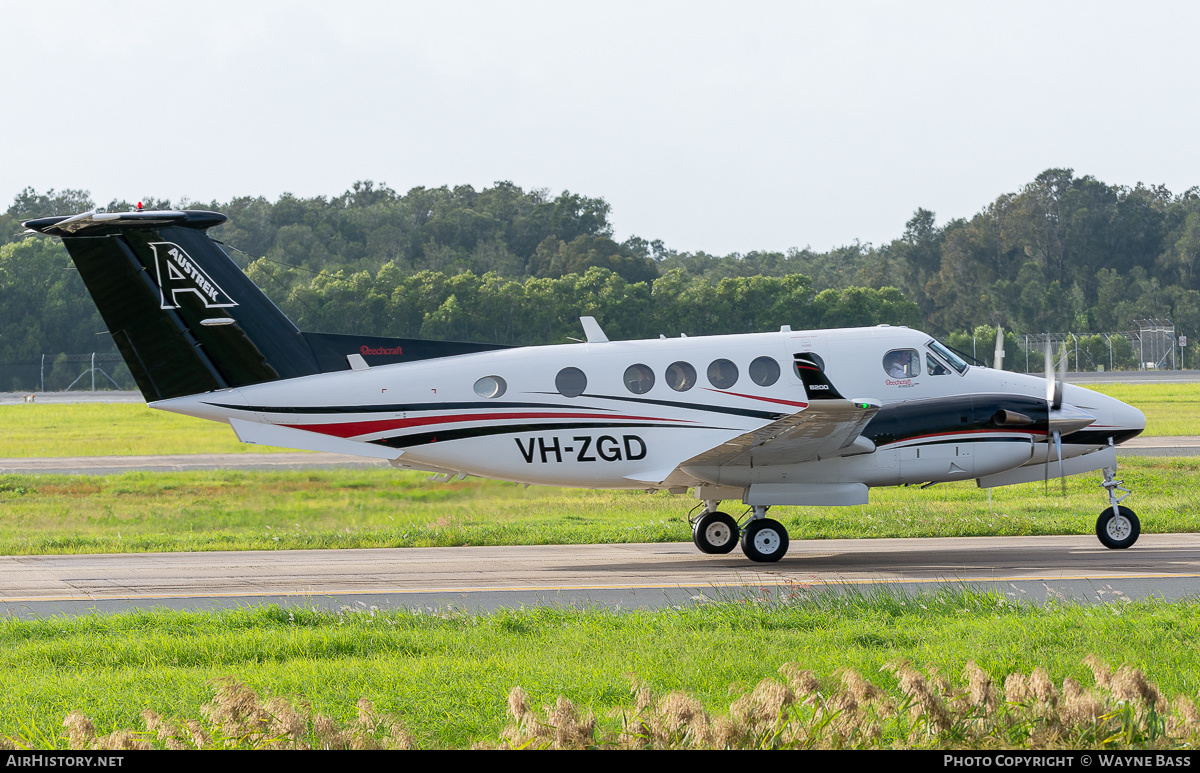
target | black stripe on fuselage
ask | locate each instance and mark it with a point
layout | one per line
(1099, 437)
(497, 404)
(463, 433)
(394, 408)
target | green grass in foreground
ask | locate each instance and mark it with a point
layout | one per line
(127, 429)
(447, 676)
(242, 510)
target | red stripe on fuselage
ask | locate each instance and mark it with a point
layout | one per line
(356, 428)
(756, 397)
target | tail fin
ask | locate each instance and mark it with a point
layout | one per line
(183, 315)
(188, 320)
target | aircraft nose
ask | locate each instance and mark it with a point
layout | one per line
(1127, 417)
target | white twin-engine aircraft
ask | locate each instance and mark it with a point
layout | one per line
(812, 417)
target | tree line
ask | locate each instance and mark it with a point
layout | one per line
(506, 265)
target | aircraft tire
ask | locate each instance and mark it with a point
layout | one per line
(764, 540)
(715, 532)
(1118, 530)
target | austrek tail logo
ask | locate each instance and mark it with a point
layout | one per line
(178, 273)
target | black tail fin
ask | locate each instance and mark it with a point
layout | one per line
(184, 316)
(816, 384)
(187, 320)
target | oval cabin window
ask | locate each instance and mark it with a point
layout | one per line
(722, 374)
(681, 376)
(764, 371)
(570, 382)
(639, 379)
(490, 386)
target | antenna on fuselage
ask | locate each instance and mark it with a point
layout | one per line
(591, 329)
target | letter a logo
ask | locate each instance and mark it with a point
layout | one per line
(178, 273)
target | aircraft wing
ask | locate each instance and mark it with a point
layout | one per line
(825, 429)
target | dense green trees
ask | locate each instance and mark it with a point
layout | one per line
(503, 264)
(1064, 253)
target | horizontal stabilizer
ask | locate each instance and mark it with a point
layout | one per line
(104, 223)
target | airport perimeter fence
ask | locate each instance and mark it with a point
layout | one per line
(1153, 346)
(62, 371)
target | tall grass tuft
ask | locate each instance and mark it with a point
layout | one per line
(797, 710)
(1123, 710)
(237, 718)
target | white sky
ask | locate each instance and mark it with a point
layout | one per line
(716, 126)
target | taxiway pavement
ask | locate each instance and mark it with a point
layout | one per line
(623, 576)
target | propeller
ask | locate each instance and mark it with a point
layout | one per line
(1060, 420)
(1054, 392)
(998, 362)
(1054, 386)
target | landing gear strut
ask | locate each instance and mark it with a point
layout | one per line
(1117, 527)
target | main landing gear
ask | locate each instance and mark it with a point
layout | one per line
(1117, 527)
(763, 540)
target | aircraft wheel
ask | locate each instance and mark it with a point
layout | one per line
(715, 532)
(764, 540)
(1118, 530)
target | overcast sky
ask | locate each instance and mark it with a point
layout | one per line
(716, 126)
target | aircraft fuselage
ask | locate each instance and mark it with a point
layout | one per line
(936, 423)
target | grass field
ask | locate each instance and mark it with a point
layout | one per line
(127, 429)
(111, 429)
(239, 510)
(1171, 409)
(447, 676)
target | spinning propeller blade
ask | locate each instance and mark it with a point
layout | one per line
(1058, 450)
(1054, 385)
(1059, 420)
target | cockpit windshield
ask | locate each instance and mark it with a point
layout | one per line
(948, 356)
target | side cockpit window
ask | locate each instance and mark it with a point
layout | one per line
(947, 355)
(902, 363)
(933, 367)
